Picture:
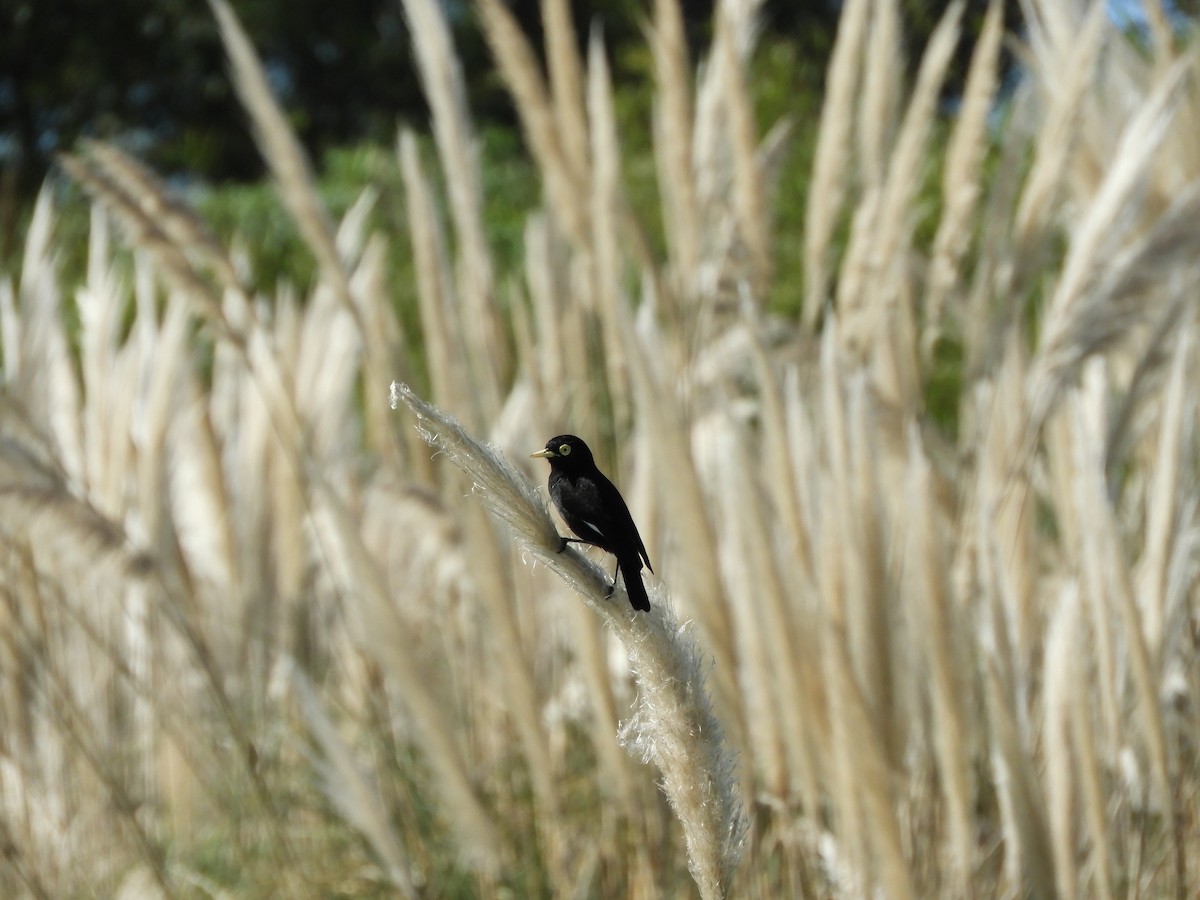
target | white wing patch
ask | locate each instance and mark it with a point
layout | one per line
(592, 526)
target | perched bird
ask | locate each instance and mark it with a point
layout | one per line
(594, 509)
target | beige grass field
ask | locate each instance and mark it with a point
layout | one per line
(264, 635)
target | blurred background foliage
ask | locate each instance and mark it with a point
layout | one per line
(151, 76)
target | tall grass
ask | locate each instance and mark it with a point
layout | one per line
(260, 639)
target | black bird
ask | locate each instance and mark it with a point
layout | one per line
(595, 510)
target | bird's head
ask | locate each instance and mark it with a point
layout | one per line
(565, 452)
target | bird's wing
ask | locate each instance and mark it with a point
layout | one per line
(619, 521)
(579, 503)
(594, 509)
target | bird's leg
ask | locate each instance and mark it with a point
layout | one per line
(563, 541)
(612, 587)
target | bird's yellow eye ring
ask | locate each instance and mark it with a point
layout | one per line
(564, 449)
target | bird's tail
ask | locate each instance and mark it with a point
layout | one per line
(631, 572)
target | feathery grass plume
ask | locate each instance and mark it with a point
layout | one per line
(722, 251)
(1073, 327)
(116, 432)
(857, 516)
(617, 779)
(1095, 797)
(863, 808)
(350, 789)
(489, 561)
(108, 418)
(681, 495)
(827, 187)
(43, 507)
(548, 368)
(780, 452)
(878, 312)
(606, 199)
(673, 142)
(458, 151)
(1108, 559)
(1165, 497)
(566, 84)
(748, 201)
(790, 539)
(180, 223)
(758, 672)
(789, 678)
(675, 728)
(1147, 371)
(1028, 858)
(323, 361)
(939, 634)
(45, 378)
(86, 744)
(1067, 438)
(351, 564)
(160, 370)
(382, 340)
(351, 233)
(128, 203)
(674, 725)
(1061, 678)
(435, 288)
(1066, 78)
(519, 67)
(803, 448)
(282, 151)
(1000, 499)
(962, 180)
(1130, 291)
(564, 329)
(985, 323)
(882, 82)
(202, 509)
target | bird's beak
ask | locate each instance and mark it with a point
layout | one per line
(542, 454)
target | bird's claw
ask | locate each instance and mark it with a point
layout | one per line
(562, 544)
(611, 589)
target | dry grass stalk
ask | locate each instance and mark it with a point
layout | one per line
(1060, 678)
(880, 102)
(1073, 326)
(673, 140)
(674, 725)
(1164, 497)
(567, 84)
(384, 634)
(606, 201)
(518, 64)
(351, 790)
(961, 176)
(681, 495)
(881, 239)
(827, 188)
(442, 78)
(888, 609)
(282, 151)
(1068, 77)
(435, 288)
(1028, 858)
(936, 622)
(748, 200)
(132, 208)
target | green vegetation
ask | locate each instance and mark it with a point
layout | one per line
(900, 404)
